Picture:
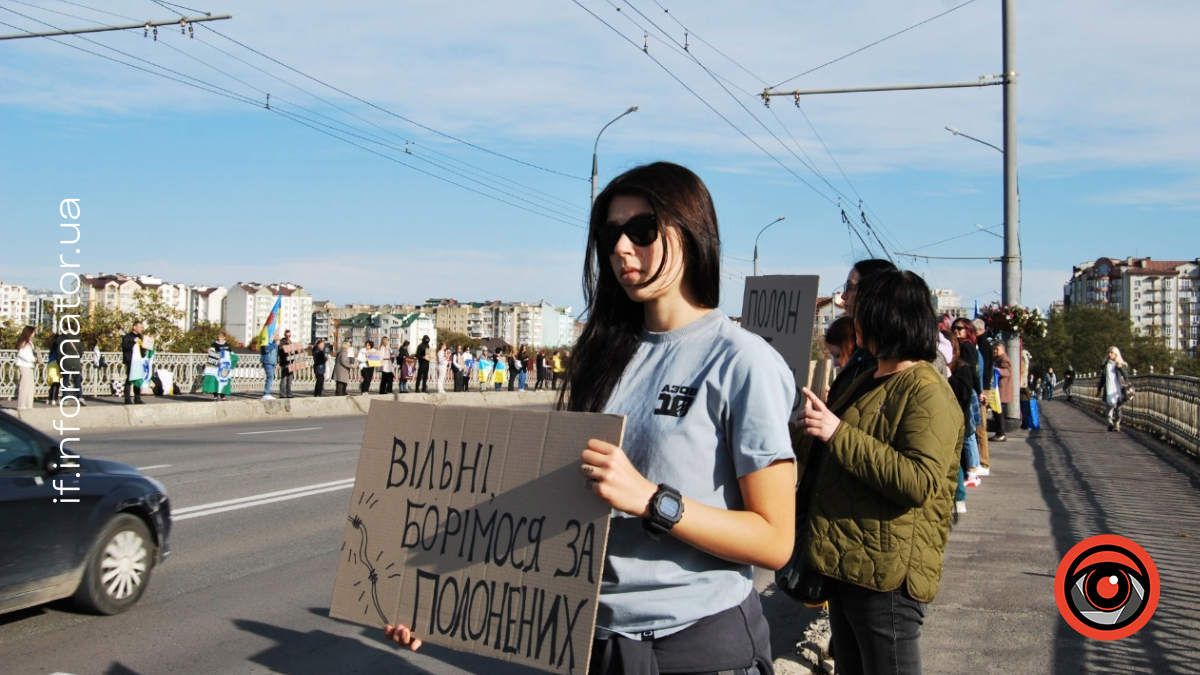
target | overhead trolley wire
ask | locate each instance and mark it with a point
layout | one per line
(221, 91)
(708, 105)
(884, 39)
(393, 114)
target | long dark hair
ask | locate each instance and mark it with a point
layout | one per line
(26, 337)
(615, 323)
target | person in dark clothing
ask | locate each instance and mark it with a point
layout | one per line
(1068, 380)
(285, 362)
(319, 358)
(402, 357)
(542, 376)
(54, 357)
(861, 361)
(423, 365)
(133, 337)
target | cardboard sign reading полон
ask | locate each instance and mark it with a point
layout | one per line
(473, 527)
(781, 309)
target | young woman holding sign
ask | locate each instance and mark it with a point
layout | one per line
(702, 489)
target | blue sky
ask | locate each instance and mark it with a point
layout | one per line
(204, 189)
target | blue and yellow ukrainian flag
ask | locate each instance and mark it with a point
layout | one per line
(267, 334)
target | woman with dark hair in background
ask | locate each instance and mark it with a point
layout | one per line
(701, 490)
(860, 360)
(27, 359)
(839, 340)
(880, 514)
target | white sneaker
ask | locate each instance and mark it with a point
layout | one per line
(983, 471)
(972, 482)
(268, 397)
(960, 507)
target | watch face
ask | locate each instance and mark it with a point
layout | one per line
(668, 506)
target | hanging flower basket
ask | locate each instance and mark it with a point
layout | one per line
(1012, 319)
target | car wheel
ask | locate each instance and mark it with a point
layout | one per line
(118, 568)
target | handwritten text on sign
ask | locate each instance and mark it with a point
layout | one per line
(781, 309)
(473, 527)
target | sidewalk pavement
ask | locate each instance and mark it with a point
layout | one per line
(107, 412)
(1049, 490)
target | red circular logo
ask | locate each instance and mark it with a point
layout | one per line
(1106, 587)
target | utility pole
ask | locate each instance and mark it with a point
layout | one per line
(1010, 269)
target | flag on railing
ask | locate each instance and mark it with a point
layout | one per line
(267, 334)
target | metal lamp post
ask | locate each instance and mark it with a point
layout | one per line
(596, 146)
(756, 242)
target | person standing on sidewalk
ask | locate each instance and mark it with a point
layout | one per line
(886, 473)
(1068, 380)
(423, 365)
(270, 359)
(27, 359)
(443, 367)
(1003, 366)
(403, 367)
(1114, 377)
(343, 365)
(285, 366)
(387, 366)
(132, 338)
(456, 365)
(320, 358)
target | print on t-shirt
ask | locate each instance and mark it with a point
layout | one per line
(675, 400)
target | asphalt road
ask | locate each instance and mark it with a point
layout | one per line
(247, 586)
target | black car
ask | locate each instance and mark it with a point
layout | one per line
(99, 549)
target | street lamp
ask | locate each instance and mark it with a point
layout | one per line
(756, 242)
(1010, 268)
(956, 132)
(595, 165)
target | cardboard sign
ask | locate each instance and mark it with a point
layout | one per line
(782, 309)
(473, 527)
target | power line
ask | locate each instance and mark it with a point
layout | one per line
(212, 88)
(707, 104)
(389, 112)
(827, 63)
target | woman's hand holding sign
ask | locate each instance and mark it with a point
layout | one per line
(818, 421)
(402, 635)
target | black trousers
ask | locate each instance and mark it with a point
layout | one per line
(459, 383)
(368, 374)
(137, 392)
(319, 389)
(385, 382)
(422, 375)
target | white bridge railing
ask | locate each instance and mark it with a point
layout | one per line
(187, 373)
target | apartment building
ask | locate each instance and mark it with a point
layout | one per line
(1162, 297)
(248, 304)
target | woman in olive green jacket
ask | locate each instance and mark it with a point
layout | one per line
(880, 515)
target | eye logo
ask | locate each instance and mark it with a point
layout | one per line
(1106, 587)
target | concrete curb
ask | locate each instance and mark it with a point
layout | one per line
(191, 413)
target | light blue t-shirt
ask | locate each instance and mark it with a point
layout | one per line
(706, 404)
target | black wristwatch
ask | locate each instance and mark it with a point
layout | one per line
(666, 509)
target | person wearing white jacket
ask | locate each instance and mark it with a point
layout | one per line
(443, 365)
(27, 359)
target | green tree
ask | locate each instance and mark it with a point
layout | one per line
(1081, 336)
(10, 331)
(200, 337)
(454, 340)
(104, 326)
(159, 318)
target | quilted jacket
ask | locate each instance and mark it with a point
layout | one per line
(885, 490)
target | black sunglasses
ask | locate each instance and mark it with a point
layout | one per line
(642, 231)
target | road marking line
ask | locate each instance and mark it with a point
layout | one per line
(155, 466)
(345, 482)
(277, 431)
(234, 507)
